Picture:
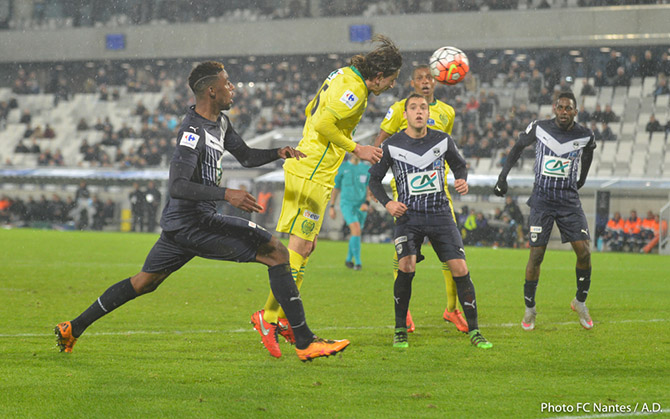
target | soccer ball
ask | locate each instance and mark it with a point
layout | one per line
(449, 65)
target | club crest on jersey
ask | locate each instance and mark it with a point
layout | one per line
(189, 139)
(421, 183)
(311, 215)
(389, 114)
(431, 122)
(349, 99)
(307, 227)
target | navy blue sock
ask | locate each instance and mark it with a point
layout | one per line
(529, 288)
(402, 292)
(466, 295)
(114, 297)
(287, 295)
(583, 283)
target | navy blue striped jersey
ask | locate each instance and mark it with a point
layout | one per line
(418, 167)
(557, 158)
(200, 146)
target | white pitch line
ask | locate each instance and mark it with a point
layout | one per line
(251, 330)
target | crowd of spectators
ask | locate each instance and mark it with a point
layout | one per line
(57, 212)
(633, 234)
(504, 228)
(68, 13)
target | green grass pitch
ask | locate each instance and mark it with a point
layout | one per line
(188, 350)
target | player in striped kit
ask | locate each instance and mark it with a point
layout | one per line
(563, 155)
(418, 157)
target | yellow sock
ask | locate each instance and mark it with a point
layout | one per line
(452, 294)
(295, 259)
(395, 265)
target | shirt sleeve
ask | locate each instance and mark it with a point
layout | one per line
(377, 173)
(247, 156)
(392, 120)
(525, 139)
(456, 162)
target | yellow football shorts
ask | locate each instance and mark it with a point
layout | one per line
(303, 207)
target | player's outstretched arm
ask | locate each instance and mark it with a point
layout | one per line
(290, 153)
(242, 200)
(500, 189)
(369, 153)
(461, 186)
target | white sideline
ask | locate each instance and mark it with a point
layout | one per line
(251, 330)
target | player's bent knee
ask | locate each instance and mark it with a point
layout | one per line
(272, 253)
(145, 282)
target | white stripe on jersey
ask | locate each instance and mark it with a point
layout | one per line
(556, 147)
(213, 142)
(420, 161)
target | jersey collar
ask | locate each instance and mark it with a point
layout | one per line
(358, 73)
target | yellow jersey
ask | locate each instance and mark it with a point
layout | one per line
(344, 95)
(441, 117)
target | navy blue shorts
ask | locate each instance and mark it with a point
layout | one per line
(446, 240)
(220, 238)
(571, 222)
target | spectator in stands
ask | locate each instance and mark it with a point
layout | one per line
(653, 125)
(49, 132)
(599, 79)
(609, 116)
(583, 116)
(661, 87)
(44, 159)
(598, 115)
(633, 66)
(82, 125)
(470, 148)
(126, 132)
(26, 117)
(615, 61)
(34, 147)
(535, 86)
(606, 134)
(57, 158)
(648, 65)
(28, 133)
(664, 65)
(21, 147)
(484, 148)
(631, 230)
(545, 97)
(596, 131)
(613, 235)
(621, 78)
(587, 88)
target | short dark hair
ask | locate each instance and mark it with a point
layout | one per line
(567, 95)
(202, 75)
(420, 67)
(385, 59)
(412, 96)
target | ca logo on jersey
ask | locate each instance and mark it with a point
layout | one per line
(421, 183)
(553, 166)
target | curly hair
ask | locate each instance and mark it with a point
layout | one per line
(385, 59)
(202, 75)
